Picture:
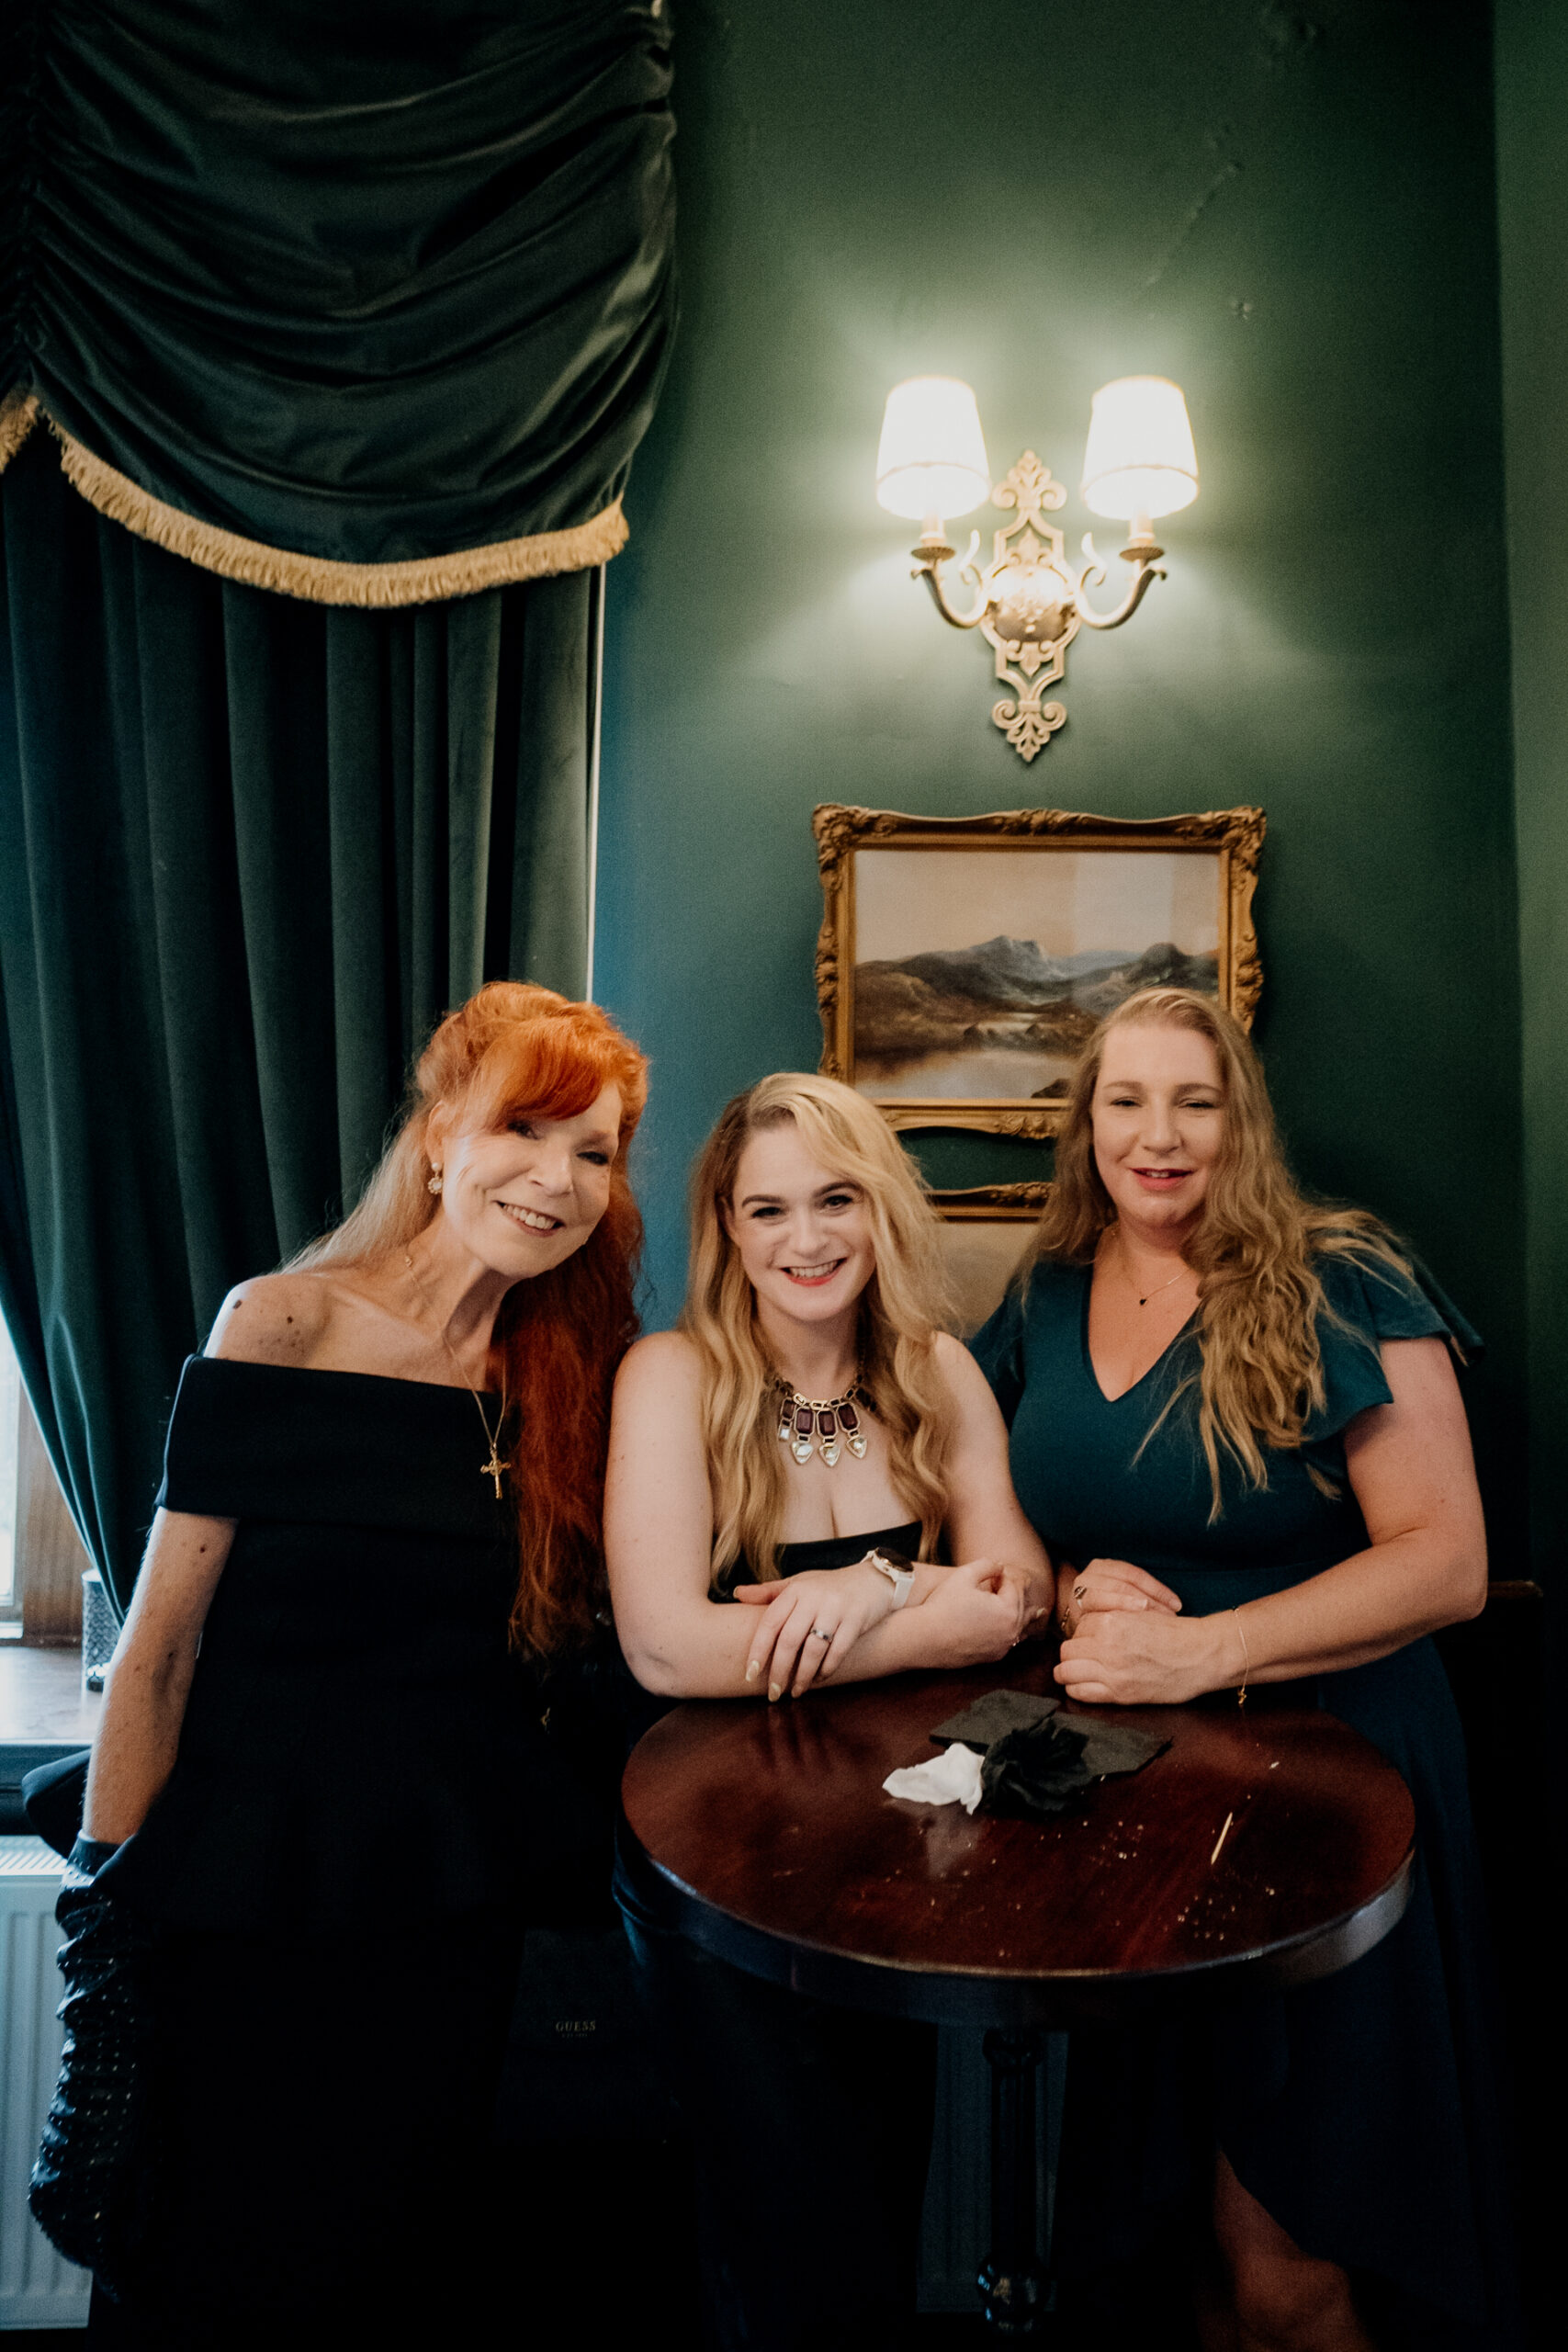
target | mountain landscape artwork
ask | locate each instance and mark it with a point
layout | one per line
(952, 1008)
(963, 962)
(1001, 996)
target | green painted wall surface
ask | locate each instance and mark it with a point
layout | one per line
(1532, 205)
(1289, 212)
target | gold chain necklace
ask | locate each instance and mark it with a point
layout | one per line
(495, 1467)
(1133, 1280)
(808, 1422)
(1157, 1288)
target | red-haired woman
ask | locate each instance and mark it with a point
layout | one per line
(322, 1787)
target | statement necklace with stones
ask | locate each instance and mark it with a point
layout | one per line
(810, 1424)
(495, 1467)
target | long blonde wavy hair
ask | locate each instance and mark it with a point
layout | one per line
(1255, 1253)
(901, 1311)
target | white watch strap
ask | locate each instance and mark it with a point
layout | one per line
(901, 1579)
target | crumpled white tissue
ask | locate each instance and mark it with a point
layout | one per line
(952, 1778)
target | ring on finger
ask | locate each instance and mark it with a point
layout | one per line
(820, 1633)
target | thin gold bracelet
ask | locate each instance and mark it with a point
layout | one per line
(1246, 1659)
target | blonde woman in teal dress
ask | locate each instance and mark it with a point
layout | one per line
(1235, 1422)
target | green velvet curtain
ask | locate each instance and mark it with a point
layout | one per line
(365, 300)
(368, 280)
(250, 849)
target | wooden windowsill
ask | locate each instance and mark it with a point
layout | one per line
(41, 1700)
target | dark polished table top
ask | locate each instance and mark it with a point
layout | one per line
(1271, 1842)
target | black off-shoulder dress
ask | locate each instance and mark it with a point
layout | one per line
(337, 1874)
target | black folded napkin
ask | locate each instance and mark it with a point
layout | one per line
(1113, 1748)
(1036, 1762)
(992, 1717)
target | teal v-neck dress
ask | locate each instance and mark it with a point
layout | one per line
(1362, 2112)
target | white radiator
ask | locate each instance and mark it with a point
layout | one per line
(38, 2289)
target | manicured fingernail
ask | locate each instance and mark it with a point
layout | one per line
(775, 1690)
(753, 1668)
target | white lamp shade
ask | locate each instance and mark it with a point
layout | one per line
(933, 456)
(1140, 458)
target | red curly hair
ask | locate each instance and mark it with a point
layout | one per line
(514, 1050)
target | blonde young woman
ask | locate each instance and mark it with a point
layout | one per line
(773, 1463)
(1236, 1422)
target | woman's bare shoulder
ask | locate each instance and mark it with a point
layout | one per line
(273, 1319)
(661, 1360)
(661, 1355)
(958, 1367)
(974, 1405)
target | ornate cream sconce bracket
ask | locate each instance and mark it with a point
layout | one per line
(1030, 603)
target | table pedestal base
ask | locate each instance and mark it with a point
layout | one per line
(1014, 2281)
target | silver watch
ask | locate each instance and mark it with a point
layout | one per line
(899, 1572)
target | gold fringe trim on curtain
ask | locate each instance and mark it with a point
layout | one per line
(18, 414)
(425, 580)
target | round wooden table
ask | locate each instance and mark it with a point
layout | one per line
(1269, 1844)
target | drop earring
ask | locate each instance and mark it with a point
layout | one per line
(434, 1183)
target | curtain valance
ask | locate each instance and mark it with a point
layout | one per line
(363, 300)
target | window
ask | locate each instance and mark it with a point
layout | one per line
(41, 1555)
(10, 1428)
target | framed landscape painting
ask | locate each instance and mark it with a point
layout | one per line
(963, 962)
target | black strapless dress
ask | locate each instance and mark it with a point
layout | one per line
(811, 2125)
(338, 1871)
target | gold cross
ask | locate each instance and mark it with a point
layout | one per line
(493, 1468)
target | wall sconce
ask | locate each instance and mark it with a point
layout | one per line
(1030, 605)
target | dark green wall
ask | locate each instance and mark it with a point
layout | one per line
(1291, 213)
(1532, 187)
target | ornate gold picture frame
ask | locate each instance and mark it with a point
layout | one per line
(989, 1203)
(964, 961)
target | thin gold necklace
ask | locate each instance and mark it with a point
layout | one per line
(495, 1467)
(1132, 1278)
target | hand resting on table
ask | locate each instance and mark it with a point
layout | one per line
(1127, 1655)
(1424, 1566)
(1109, 1584)
(977, 1611)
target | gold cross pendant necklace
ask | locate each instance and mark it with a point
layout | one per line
(495, 1467)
